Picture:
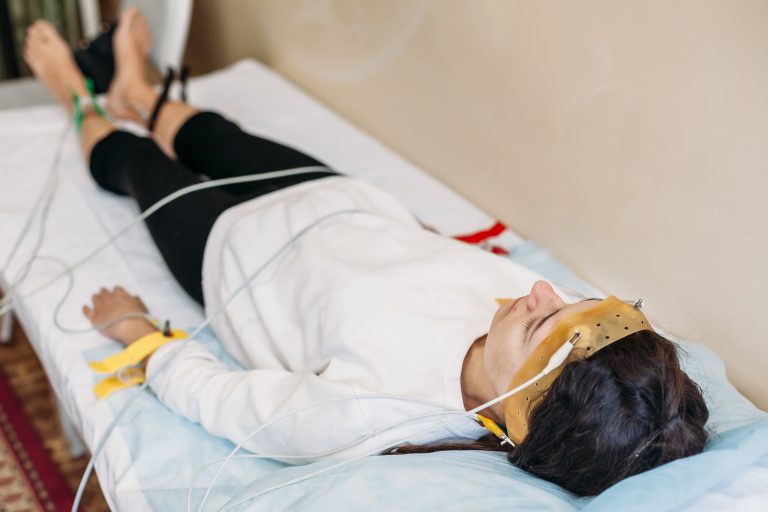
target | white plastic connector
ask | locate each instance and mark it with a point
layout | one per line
(558, 358)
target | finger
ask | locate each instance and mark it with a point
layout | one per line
(96, 299)
(103, 291)
(88, 312)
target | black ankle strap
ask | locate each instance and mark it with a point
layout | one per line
(169, 76)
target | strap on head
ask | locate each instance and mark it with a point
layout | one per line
(609, 321)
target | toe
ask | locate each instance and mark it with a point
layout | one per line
(129, 15)
(44, 30)
(33, 32)
(29, 56)
(140, 21)
(146, 35)
(32, 55)
(46, 27)
(48, 33)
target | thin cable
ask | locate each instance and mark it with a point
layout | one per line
(159, 204)
(42, 204)
(49, 180)
(447, 409)
(195, 332)
(326, 453)
(62, 300)
(555, 360)
(383, 447)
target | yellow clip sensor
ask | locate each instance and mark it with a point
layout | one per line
(123, 364)
(494, 428)
(136, 351)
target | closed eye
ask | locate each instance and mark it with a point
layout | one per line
(530, 322)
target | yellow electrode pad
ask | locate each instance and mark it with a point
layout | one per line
(123, 364)
(609, 321)
(136, 351)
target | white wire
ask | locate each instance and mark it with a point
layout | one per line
(200, 471)
(42, 204)
(470, 413)
(159, 204)
(239, 446)
(62, 300)
(195, 332)
(326, 453)
(555, 360)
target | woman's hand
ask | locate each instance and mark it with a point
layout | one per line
(110, 305)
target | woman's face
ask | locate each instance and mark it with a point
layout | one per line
(519, 326)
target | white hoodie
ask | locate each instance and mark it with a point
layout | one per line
(363, 303)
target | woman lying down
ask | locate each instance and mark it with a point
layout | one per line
(367, 303)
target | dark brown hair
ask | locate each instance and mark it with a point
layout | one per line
(627, 409)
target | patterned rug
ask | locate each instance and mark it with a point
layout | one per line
(29, 479)
(29, 387)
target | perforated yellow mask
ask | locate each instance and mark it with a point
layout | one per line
(609, 321)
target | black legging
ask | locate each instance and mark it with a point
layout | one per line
(206, 145)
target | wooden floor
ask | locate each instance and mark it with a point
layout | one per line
(20, 364)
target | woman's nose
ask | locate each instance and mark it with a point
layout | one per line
(542, 294)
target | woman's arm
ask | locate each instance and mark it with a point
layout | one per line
(231, 403)
(195, 384)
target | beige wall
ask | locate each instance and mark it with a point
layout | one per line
(629, 137)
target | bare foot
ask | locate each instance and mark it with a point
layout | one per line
(111, 305)
(52, 62)
(129, 87)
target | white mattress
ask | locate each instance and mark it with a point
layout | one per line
(82, 216)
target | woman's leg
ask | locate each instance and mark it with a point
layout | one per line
(217, 147)
(127, 164)
(204, 141)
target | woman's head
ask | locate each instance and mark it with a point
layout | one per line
(627, 409)
(624, 410)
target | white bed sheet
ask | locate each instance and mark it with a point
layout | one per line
(82, 216)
